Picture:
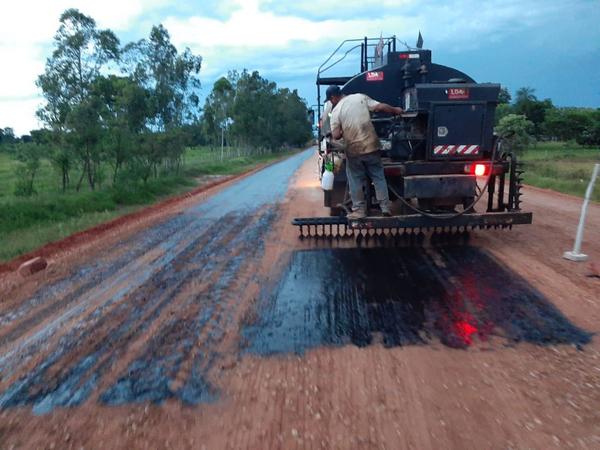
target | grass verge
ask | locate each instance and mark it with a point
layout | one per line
(562, 167)
(29, 223)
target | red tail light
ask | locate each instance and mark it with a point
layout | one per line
(478, 170)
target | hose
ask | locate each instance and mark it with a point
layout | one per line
(497, 144)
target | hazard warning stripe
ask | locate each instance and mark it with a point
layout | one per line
(472, 149)
(456, 149)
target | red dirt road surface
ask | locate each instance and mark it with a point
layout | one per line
(209, 324)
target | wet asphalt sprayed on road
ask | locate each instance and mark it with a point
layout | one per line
(454, 295)
(57, 347)
(157, 306)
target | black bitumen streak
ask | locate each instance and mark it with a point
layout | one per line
(455, 295)
(201, 254)
(50, 298)
(399, 296)
(149, 377)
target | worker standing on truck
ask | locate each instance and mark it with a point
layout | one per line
(338, 144)
(351, 119)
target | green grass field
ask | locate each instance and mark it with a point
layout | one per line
(28, 223)
(562, 167)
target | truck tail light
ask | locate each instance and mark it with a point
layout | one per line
(477, 169)
(480, 170)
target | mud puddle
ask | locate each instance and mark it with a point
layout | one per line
(457, 296)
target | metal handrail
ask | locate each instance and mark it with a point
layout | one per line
(364, 44)
(334, 63)
(363, 41)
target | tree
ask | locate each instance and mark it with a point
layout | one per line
(504, 96)
(261, 115)
(590, 135)
(84, 134)
(194, 133)
(567, 123)
(124, 111)
(218, 108)
(29, 155)
(516, 131)
(7, 136)
(172, 78)
(502, 110)
(253, 113)
(294, 126)
(56, 152)
(81, 52)
(527, 104)
(139, 121)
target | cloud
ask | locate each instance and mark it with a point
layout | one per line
(26, 31)
(216, 9)
(511, 41)
(349, 9)
(24, 63)
(19, 114)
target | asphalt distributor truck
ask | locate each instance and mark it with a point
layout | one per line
(446, 170)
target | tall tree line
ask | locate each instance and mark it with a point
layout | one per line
(121, 105)
(126, 113)
(543, 120)
(246, 109)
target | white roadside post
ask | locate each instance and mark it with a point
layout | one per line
(575, 254)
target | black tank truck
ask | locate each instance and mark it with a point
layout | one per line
(440, 157)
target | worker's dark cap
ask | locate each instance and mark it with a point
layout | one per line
(333, 91)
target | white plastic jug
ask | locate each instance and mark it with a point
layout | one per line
(327, 180)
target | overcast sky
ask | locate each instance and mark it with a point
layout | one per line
(550, 45)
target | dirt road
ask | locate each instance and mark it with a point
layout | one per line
(212, 326)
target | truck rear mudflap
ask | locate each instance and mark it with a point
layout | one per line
(414, 223)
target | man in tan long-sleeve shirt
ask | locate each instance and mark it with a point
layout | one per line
(351, 119)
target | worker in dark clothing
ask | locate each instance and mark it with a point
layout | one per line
(351, 119)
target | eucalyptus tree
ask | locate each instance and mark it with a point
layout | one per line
(81, 52)
(124, 113)
(218, 110)
(172, 77)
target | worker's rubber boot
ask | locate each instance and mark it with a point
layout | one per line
(357, 214)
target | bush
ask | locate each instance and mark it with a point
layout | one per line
(25, 213)
(590, 136)
(137, 192)
(516, 130)
(23, 186)
(29, 156)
